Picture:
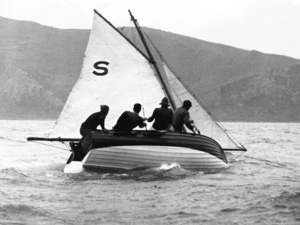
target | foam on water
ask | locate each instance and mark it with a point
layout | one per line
(74, 167)
(166, 166)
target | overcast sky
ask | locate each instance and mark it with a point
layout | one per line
(269, 26)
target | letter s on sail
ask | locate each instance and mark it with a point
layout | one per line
(102, 66)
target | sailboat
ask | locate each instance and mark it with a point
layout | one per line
(122, 67)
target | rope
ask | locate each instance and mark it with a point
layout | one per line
(144, 117)
(19, 141)
(52, 145)
(237, 157)
(13, 140)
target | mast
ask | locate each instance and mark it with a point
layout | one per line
(152, 61)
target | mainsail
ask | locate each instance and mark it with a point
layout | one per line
(115, 73)
(118, 72)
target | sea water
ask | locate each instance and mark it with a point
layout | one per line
(261, 186)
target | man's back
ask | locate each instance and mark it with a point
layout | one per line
(163, 118)
(128, 121)
(93, 121)
(179, 118)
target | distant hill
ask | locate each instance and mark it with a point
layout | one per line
(40, 64)
(38, 67)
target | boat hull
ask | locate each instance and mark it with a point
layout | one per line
(147, 149)
(143, 157)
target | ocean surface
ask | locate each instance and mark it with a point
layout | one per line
(261, 186)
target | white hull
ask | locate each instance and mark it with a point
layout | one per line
(133, 157)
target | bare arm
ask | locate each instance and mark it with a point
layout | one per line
(187, 122)
(151, 118)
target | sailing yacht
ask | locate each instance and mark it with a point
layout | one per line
(122, 67)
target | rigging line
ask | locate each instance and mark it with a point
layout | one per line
(118, 31)
(144, 117)
(176, 75)
(193, 94)
(9, 139)
(178, 78)
(237, 157)
(141, 88)
(139, 65)
(52, 145)
(130, 33)
(152, 60)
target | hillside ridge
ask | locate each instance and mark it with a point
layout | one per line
(39, 66)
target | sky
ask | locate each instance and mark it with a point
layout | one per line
(268, 26)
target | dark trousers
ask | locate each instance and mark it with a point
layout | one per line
(84, 131)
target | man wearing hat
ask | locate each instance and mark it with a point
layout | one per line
(94, 120)
(163, 116)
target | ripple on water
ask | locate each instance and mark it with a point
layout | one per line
(22, 214)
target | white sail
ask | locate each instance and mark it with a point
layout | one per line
(118, 73)
(123, 77)
(202, 119)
